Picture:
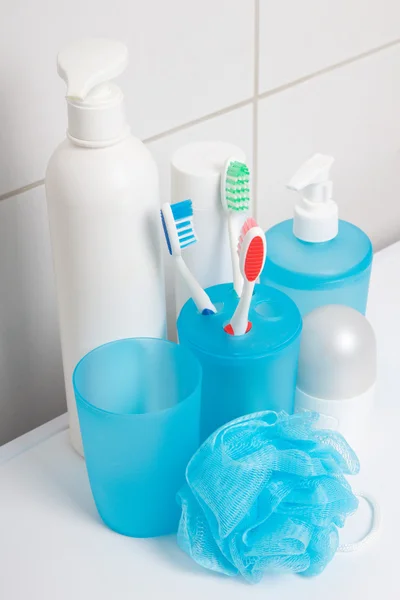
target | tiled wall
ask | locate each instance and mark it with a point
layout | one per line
(282, 79)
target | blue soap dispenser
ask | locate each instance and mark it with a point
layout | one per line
(315, 258)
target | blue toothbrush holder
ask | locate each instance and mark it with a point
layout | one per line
(139, 411)
(249, 373)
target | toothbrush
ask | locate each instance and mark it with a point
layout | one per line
(252, 250)
(235, 197)
(177, 222)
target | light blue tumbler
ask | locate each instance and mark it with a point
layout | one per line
(139, 411)
(249, 373)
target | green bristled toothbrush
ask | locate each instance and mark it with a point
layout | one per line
(235, 197)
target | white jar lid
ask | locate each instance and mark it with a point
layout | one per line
(337, 354)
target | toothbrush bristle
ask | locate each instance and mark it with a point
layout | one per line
(247, 225)
(164, 225)
(182, 210)
(237, 191)
(254, 259)
(183, 217)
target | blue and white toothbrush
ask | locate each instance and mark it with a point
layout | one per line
(177, 222)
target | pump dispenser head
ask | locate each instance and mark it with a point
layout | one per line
(95, 105)
(316, 214)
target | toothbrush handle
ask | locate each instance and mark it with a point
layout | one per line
(200, 298)
(233, 242)
(240, 317)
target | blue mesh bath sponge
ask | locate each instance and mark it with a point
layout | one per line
(267, 492)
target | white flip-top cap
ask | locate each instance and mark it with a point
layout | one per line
(337, 370)
(95, 105)
(316, 216)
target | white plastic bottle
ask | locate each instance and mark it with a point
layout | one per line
(103, 204)
(337, 372)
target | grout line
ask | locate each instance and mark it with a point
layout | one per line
(21, 190)
(217, 113)
(254, 101)
(154, 138)
(32, 438)
(338, 65)
(255, 104)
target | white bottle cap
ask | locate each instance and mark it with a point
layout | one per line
(95, 106)
(316, 216)
(337, 370)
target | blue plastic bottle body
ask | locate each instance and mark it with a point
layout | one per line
(139, 412)
(316, 274)
(352, 293)
(249, 373)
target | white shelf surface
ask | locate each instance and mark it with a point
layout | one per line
(53, 545)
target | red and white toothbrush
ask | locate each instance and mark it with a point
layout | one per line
(252, 250)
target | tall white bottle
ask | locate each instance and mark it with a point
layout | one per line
(103, 204)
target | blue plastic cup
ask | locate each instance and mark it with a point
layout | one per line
(139, 411)
(249, 373)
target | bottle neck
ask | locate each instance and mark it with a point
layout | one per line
(98, 120)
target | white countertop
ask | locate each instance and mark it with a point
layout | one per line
(53, 545)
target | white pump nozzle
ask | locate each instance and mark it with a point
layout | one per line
(316, 214)
(95, 114)
(86, 63)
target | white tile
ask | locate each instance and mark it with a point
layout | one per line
(235, 127)
(186, 61)
(301, 37)
(32, 385)
(352, 113)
